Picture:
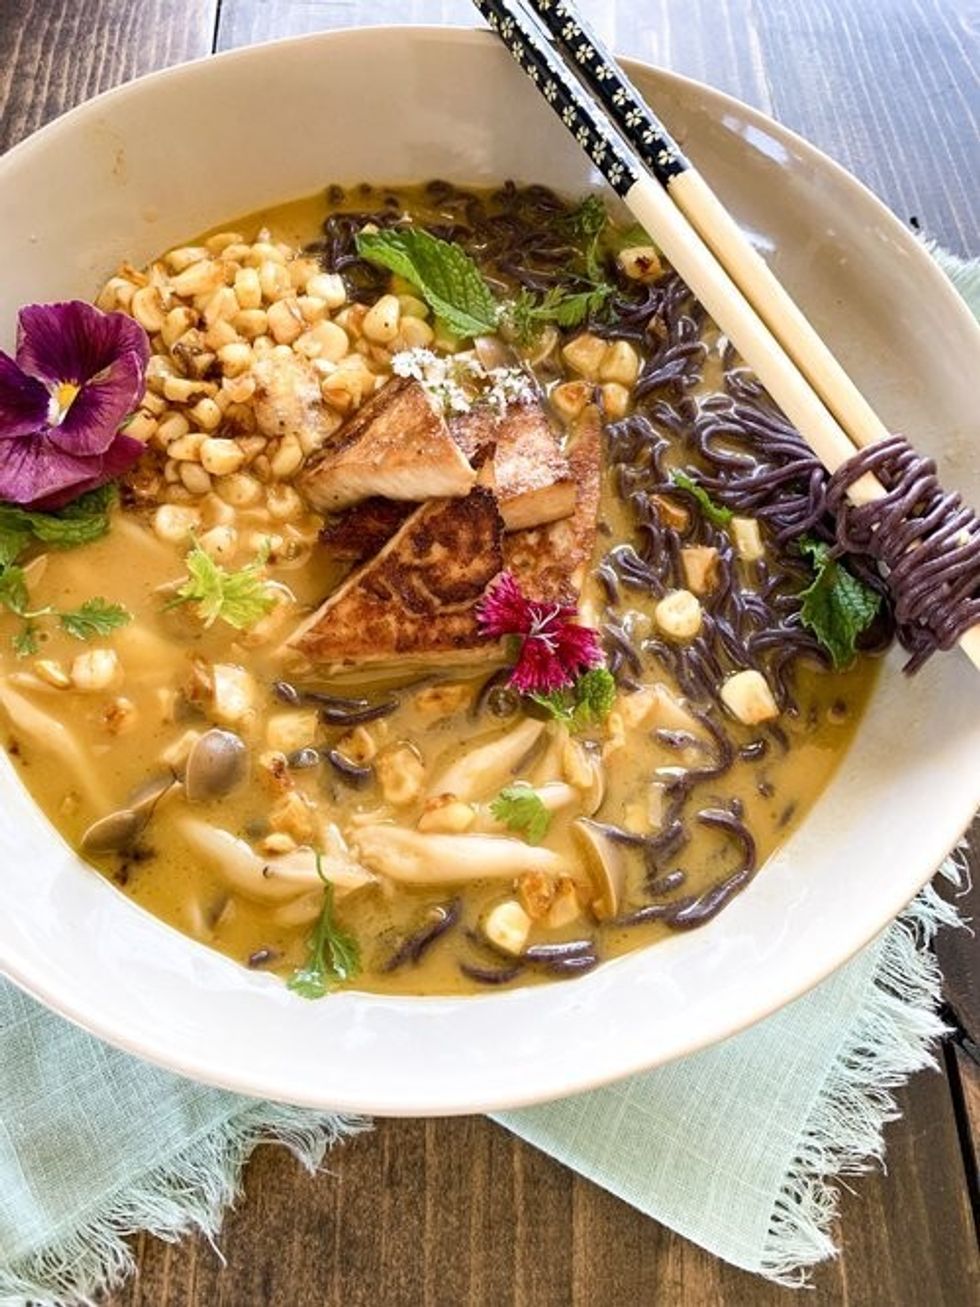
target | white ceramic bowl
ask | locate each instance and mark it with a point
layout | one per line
(148, 165)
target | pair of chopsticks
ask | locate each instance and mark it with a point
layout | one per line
(674, 204)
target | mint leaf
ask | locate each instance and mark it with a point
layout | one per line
(76, 524)
(95, 617)
(13, 590)
(238, 598)
(14, 539)
(715, 513)
(837, 606)
(587, 703)
(447, 278)
(520, 809)
(333, 953)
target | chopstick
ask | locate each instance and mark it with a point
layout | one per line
(649, 197)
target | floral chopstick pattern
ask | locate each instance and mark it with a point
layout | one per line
(546, 70)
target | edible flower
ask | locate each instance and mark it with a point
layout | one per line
(554, 648)
(77, 376)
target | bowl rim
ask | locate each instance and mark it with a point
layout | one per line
(202, 1068)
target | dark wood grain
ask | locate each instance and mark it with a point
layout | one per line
(890, 88)
(446, 1213)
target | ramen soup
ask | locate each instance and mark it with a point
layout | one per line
(469, 618)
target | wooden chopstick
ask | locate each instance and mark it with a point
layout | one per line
(649, 199)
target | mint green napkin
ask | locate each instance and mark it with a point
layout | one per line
(736, 1147)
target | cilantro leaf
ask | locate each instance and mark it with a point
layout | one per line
(565, 308)
(334, 954)
(13, 590)
(238, 598)
(95, 617)
(715, 513)
(586, 223)
(25, 642)
(837, 606)
(520, 809)
(587, 703)
(447, 278)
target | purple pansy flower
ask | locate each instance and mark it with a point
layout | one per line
(78, 374)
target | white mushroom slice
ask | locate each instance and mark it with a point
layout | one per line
(58, 742)
(606, 864)
(486, 768)
(269, 879)
(420, 859)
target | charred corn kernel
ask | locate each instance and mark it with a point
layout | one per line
(507, 926)
(294, 815)
(117, 293)
(248, 289)
(277, 842)
(615, 400)
(401, 774)
(235, 358)
(329, 287)
(174, 523)
(158, 370)
(221, 334)
(263, 249)
(331, 341)
(141, 426)
(119, 716)
(412, 307)
(678, 614)
(220, 457)
(221, 306)
(413, 333)
(570, 398)
(95, 670)
(206, 414)
(274, 279)
(179, 259)
(236, 252)
(640, 262)
(443, 700)
(358, 745)
(284, 503)
(301, 270)
(312, 309)
(52, 673)
(220, 543)
(187, 446)
(585, 355)
(187, 390)
(700, 563)
(194, 478)
(620, 362)
(240, 390)
(147, 308)
(240, 490)
(199, 278)
(288, 731)
(234, 693)
(251, 323)
(154, 404)
(172, 427)
(446, 815)
(747, 696)
(566, 906)
(287, 458)
(170, 472)
(748, 538)
(285, 321)
(220, 241)
(536, 893)
(215, 512)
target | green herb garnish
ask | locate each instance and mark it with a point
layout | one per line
(334, 955)
(239, 598)
(95, 617)
(444, 274)
(586, 224)
(528, 313)
(586, 703)
(837, 606)
(520, 809)
(717, 514)
(77, 524)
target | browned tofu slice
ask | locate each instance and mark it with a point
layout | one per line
(527, 470)
(416, 600)
(359, 532)
(396, 445)
(550, 561)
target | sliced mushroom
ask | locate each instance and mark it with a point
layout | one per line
(422, 859)
(57, 741)
(606, 864)
(270, 879)
(216, 765)
(120, 830)
(484, 769)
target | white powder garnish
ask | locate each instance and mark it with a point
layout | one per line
(458, 381)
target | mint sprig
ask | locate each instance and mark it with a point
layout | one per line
(837, 607)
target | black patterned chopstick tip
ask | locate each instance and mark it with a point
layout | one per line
(578, 44)
(560, 90)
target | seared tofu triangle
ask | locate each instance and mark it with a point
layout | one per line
(396, 445)
(417, 599)
(526, 470)
(550, 561)
(360, 531)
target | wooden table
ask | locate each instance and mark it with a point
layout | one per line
(456, 1212)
